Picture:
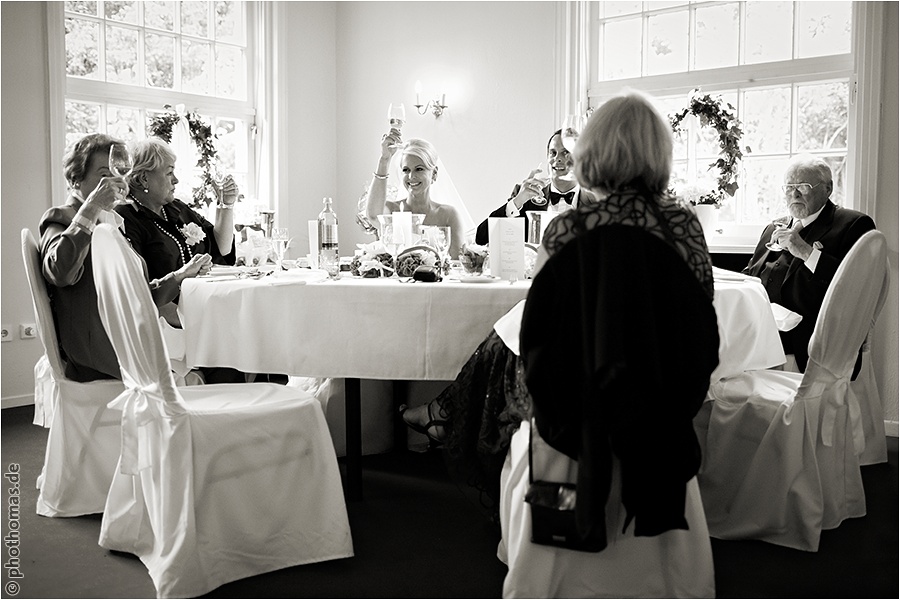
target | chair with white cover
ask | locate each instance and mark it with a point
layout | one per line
(85, 435)
(216, 482)
(618, 342)
(781, 460)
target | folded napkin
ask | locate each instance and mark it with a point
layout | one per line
(785, 319)
(726, 275)
(220, 270)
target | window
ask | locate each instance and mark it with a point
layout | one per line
(126, 60)
(786, 67)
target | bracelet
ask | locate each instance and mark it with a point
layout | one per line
(377, 176)
(224, 206)
(84, 223)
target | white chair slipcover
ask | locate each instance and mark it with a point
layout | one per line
(84, 438)
(675, 564)
(214, 483)
(781, 450)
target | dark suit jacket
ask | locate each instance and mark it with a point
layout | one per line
(481, 234)
(790, 284)
(618, 340)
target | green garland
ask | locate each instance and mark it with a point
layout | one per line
(201, 133)
(716, 113)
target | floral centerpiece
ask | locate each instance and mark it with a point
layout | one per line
(415, 256)
(718, 114)
(473, 257)
(373, 260)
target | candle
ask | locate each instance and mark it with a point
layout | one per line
(418, 92)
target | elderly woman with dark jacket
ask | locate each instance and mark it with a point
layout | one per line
(66, 259)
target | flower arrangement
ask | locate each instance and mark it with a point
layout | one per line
(373, 260)
(416, 256)
(716, 113)
(193, 233)
(203, 137)
(473, 257)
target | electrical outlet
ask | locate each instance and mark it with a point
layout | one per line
(27, 331)
(5, 333)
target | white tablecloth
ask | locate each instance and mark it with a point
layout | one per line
(299, 324)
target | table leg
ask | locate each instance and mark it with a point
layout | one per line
(400, 397)
(353, 431)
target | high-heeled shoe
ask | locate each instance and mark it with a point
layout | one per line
(426, 428)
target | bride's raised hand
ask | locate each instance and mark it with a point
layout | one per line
(390, 142)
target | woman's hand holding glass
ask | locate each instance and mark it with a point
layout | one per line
(108, 193)
(226, 189)
(390, 142)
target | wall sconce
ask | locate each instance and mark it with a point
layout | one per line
(437, 107)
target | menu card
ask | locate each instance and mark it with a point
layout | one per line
(313, 256)
(506, 253)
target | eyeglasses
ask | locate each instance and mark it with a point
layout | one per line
(804, 188)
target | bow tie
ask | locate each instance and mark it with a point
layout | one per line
(555, 197)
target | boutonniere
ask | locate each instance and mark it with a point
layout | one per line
(193, 233)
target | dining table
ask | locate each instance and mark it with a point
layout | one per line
(300, 322)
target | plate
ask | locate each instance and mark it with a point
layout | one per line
(478, 279)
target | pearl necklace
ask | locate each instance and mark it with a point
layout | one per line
(183, 249)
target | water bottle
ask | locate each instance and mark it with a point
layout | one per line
(329, 256)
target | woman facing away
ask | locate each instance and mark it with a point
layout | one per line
(66, 233)
(419, 170)
(624, 156)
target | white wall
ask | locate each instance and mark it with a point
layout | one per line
(345, 62)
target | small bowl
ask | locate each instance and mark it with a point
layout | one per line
(473, 265)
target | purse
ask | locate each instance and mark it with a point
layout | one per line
(426, 273)
(553, 512)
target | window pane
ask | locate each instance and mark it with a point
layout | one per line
(230, 72)
(621, 51)
(229, 22)
(667, 50)
(85, 8)
(195, 71)
(159, 15)
(121, 55)
(122, 11)
(612, 9)
(195, 18)
(769, 31)
(159, 60)
(124, 123)
(823, 116)
(767, 120)
(824, 28)
(763, 199)
(838, 166)
(81, 118)
(82, 48)
(717, 37)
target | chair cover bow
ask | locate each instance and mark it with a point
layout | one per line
(835, 392)
(139, 407)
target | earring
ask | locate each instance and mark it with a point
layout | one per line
(146, 191)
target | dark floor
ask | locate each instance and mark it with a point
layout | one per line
(418, 534)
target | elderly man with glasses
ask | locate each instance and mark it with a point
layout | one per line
(798, 255)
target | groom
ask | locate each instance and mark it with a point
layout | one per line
(562, 193)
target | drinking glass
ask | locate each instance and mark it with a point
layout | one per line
(120, 163)
(280, 240)
(571, 129)
(772, 245)
(438, 237)
(396, 115)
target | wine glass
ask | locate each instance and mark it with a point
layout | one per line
(571, 129)
(280, 240)
(396, 115)
(120, 163)
(773, 246)
(539, 199)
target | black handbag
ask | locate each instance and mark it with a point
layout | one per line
(553, 512)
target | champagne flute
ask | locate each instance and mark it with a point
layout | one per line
(280, 240)
(571, 129)
(396, 115)
(120, 163)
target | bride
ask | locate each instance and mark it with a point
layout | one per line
(419, 166)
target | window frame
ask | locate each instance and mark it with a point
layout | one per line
(862, 68)
(63, 88)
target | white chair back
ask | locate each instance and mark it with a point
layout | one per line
(851, 305)
(50, 367)
(129, 314)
